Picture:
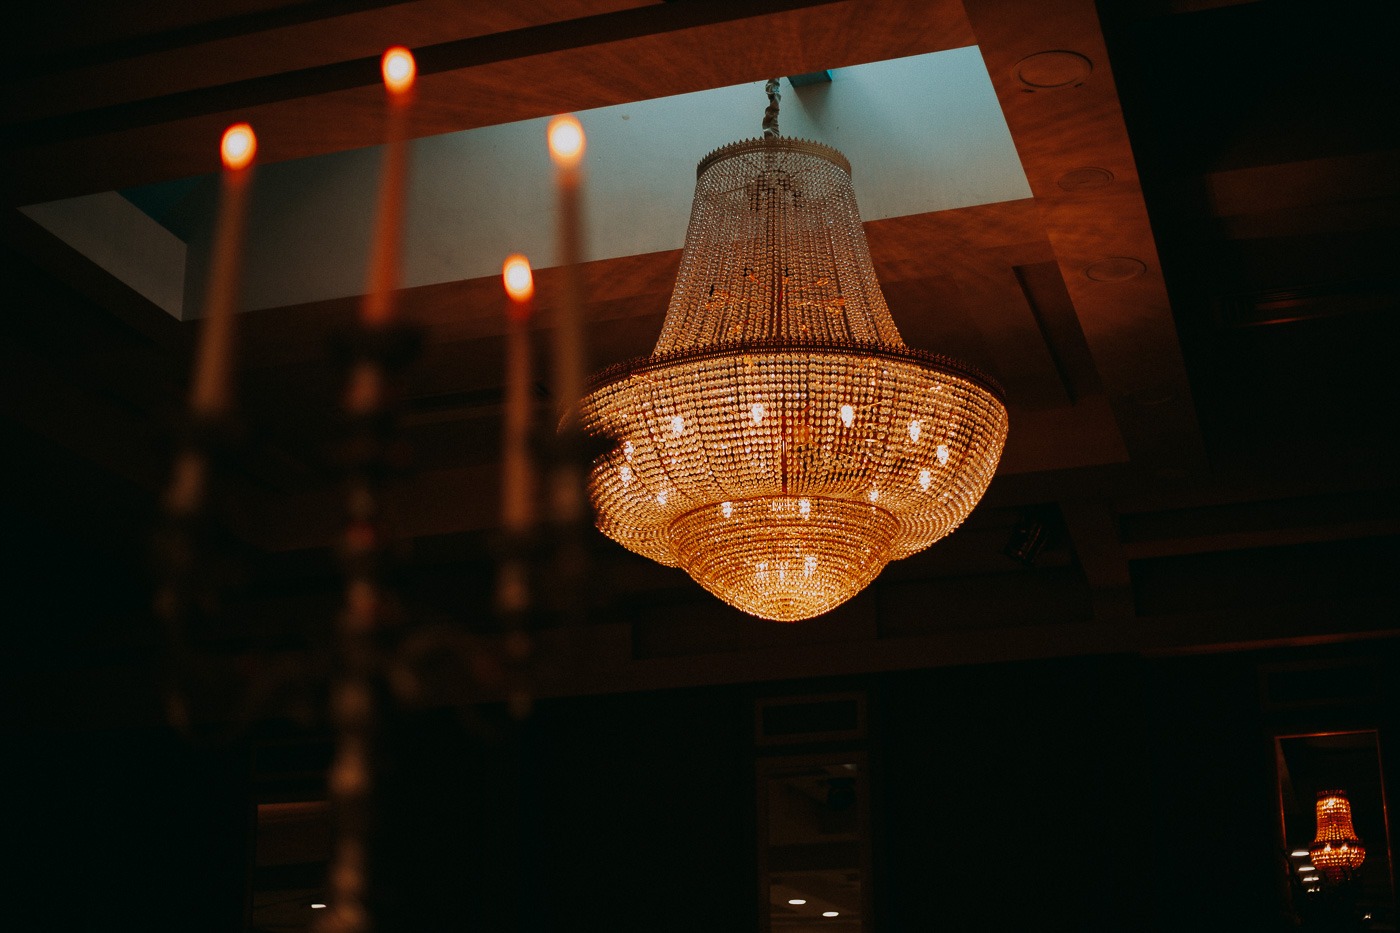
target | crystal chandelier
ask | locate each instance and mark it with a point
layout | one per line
(1336, 852)
(782, 444)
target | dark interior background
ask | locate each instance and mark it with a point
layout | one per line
(1052, 771)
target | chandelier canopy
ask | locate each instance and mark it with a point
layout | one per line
(1336, 852)
(782, 444)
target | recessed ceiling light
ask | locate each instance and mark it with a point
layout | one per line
(317, 906)
(1300, 853)
(831, 913)
(797, 901)
(1311, 878)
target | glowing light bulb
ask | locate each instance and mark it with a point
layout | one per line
(809, 565)
(677, 425)
(519, 281)
(399, 69)
(942, 454)
(914, 428)
(848, 415)
(726, 509)
(566, 140)
(625, 472)
(662, 497)
(238, 146)
(804, 507)
(925, 477)
(627, 450)
(757, 412)
(874, 494)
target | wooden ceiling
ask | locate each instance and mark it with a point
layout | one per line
(1183, 315)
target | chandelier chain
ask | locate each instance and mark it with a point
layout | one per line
(770, 115)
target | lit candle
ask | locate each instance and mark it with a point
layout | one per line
(566, 148)
(515, 466)
(399, 70)
(213, 374)
(211, 397)
(211, 390)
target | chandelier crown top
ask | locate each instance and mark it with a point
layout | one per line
(774, 144)
(775, 251)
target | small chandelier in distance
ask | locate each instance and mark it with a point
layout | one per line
(782, 443)
(1336, 852)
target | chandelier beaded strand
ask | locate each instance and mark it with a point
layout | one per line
(782, 444)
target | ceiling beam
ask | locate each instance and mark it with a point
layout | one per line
(1050, 66)
(611, 58)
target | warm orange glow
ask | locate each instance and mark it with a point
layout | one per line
(782, 444)
(1336, 852)
(238, 146)
(566, 141)
(399, 69)
(520, 283)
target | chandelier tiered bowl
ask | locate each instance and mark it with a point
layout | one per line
(782, 444)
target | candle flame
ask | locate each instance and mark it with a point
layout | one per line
(238, 146)
(566, 141)
(399, 69)
(520, 283)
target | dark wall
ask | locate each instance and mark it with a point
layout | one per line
(125, 829)
(621, 813)
(1110, 793)
(1013, 797)
(1214, 798)
(645, 813)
